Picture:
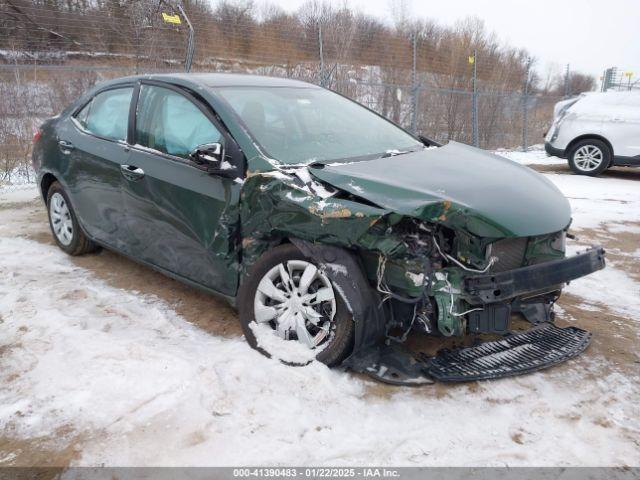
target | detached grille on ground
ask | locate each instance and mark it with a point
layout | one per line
(516, 354)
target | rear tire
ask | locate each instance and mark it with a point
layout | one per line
(590, 157)
(335, 348)
(64, 223)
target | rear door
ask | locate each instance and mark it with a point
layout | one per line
(180, 218)
(622, 124)
(92, 145)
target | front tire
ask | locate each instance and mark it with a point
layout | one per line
(285, 299)
(590, 157)
(64, 223)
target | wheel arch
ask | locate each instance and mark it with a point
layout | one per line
(590, 136)
(45, 184)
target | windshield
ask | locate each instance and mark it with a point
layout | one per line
(302, 125)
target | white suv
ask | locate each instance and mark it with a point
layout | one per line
(596, 131)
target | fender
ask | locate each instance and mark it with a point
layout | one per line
(387, 363)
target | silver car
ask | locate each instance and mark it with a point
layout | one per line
(595, 131)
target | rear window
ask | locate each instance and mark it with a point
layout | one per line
(107, 114)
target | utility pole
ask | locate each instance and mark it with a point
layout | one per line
(474, 106)
(525, 93)
(322, 79)
(566, 82)
(173, 19)
(628, 75)
(190, 41)
(414, 86)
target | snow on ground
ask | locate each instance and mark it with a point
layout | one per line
(18, 194)
(612, 288)
(148, 388)
(133, 383)
(534, 155)
(592, 207)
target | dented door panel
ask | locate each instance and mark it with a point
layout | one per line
(183, 220)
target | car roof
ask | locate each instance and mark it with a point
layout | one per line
(216, 80)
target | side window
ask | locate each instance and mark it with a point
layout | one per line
(107, 114)
(170, 123)
(83, 114)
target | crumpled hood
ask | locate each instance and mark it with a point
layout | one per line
(459, 186)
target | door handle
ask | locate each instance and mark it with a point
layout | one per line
(65, 147)
(131, 173)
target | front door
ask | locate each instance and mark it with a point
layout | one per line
(181, 218)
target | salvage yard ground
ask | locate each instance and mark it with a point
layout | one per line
(103, 361)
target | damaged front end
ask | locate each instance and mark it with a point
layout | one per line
(418, 244)
(446, 283)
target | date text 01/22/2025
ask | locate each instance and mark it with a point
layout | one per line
(326, 472)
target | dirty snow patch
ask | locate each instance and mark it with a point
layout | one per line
(534, 156)
(598, 200)
(416, 278)
(610, 287)
(141, 386)
(337, 268)
(18, 193)
(288, 351)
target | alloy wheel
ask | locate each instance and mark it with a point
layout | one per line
(297, 301)
(61, 221)
(588, 157)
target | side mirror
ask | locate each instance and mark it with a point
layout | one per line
(428, 142)
(212, 156)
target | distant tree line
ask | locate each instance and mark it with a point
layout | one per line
(51, 51)
(242, 31)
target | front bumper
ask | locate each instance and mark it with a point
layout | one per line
(552, 151)
(540, 278)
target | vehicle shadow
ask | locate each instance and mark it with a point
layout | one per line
(623, 173)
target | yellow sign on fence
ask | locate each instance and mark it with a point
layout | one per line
(175, 19)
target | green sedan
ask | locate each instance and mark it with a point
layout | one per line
(335, 233)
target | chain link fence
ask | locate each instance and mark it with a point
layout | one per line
(432, 82)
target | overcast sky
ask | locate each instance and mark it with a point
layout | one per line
(591, 35)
